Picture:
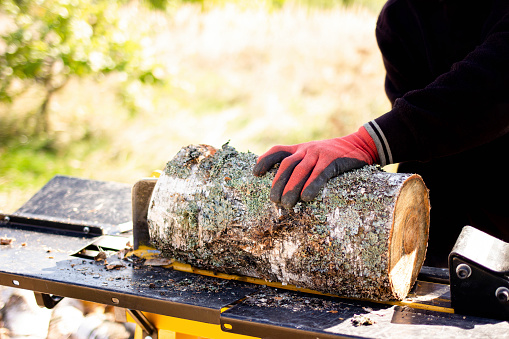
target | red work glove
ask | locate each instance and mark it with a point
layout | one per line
(306, 168)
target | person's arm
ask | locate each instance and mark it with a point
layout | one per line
(464, 107)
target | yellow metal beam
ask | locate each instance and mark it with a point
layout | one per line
(177, 328)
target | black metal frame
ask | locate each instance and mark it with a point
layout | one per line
(57, 227)
(479, 275)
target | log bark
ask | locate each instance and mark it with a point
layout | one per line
(364, 236)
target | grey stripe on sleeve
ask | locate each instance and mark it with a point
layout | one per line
(382, 146)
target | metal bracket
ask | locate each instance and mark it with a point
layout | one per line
(148, 329)
(38, 224)
(141, 193)
(47, 300)
(479, 275)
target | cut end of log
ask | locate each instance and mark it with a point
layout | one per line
(409, 235)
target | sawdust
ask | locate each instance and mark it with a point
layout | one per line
(6, 241)
(362, 320)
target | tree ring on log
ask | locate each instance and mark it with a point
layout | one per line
(410, 227)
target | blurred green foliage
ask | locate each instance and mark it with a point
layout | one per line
(34, 162)
(44, 44)
(47, 42)
(275, 4)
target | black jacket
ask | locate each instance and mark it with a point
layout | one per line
(447, 64)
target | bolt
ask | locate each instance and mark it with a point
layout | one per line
(86, 229)
(7, 218)
(502, 294)
(463, 271)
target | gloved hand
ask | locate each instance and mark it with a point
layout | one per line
(306, 168)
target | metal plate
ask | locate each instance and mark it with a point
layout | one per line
(283, 314)
(274, 313)
(141, 194)
(79, 202)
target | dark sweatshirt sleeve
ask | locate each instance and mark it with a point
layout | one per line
(460, 109)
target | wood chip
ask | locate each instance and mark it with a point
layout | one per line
(101, 256)
(114, 266)
(6, 241)
(362, 320)
(158, 262)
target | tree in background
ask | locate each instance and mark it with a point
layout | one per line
(47, 42)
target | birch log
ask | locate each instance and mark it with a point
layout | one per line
(364, 236)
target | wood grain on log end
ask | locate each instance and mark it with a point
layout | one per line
(409, 235)
(364, 236)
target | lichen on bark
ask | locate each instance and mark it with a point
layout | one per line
(209, 210)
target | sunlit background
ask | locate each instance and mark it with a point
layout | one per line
(111, 90)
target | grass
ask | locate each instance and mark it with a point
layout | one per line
(253, 76)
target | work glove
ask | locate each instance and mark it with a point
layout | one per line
(306, 168)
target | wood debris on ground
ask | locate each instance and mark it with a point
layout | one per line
(6, 240)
